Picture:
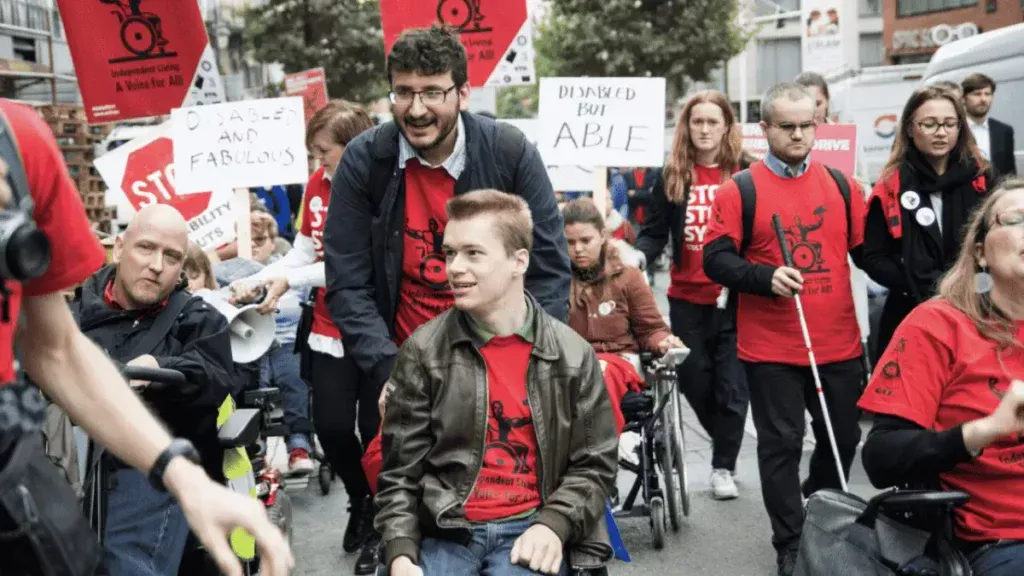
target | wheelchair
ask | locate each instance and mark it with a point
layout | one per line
(656, 415)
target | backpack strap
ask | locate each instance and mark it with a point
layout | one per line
(748, 202)
(844, 189)
(509, 148)
(162, 325)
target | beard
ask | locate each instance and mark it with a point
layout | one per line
(445, 126)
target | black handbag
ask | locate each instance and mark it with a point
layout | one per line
(302, 333)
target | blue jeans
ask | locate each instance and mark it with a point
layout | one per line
(1003, 558)
(146, 530)
(280, 368)
(487, 554)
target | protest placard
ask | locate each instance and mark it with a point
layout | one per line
(240, 144)
(602, 121)
(563, 178)
(141, 172)
(835, 145)
(311, 86)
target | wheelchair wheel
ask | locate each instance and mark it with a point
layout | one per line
(138, 35)
(658, 522)
(679, 453)
(666, 461)
(325, 476)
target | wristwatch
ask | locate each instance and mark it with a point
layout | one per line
(177, 447)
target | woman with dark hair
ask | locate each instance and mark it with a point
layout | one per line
(705, 153)
(948, 399)
(934, 178)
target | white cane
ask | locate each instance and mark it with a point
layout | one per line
(788, 259)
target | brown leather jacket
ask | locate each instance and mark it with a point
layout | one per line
(435, 429)
(616, 312)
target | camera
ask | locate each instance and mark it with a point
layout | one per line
(24, 249)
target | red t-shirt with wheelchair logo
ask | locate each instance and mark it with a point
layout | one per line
(814, 220)
(75, 252)
(314, 216)
(424, 293)
(507, 483)
(939, 373)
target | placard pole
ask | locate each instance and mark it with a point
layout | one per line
(243, 236)
(600, 194)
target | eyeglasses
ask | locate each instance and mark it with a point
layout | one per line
(429, 97)
(791, 128)
(930, 127)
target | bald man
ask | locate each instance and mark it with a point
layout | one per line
(119, 308)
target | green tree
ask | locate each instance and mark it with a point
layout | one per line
(679, 40)
(342, 36)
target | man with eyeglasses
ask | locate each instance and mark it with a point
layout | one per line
(822, 223)
(386, 272)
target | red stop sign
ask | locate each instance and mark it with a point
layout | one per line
(149, 179)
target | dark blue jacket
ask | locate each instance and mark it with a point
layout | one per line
(363, 238)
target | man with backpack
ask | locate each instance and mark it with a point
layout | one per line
(822, 222)
(386, 271)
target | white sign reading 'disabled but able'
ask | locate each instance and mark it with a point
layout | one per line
(240, 144)
(602, 121)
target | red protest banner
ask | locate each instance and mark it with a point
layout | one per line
(133, 61)
(496, 34)
(835, 145)
(312, 86)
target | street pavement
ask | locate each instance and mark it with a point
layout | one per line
(731, 538)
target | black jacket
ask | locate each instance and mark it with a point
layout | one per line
(363, 239)
(198, 345)
(1001, 147)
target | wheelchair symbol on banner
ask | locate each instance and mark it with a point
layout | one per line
(463, 15)
(141, 32)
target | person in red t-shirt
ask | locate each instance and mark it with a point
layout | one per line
(705, 153)
(948, 394)
(79, 376)
(343, 397)
(820, 230)
(499, 442)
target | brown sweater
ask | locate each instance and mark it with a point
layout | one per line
(616, 312)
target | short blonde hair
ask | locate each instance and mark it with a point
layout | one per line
(198, 262)
(512, 216)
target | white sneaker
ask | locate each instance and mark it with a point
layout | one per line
(628, 443)
(722, 485)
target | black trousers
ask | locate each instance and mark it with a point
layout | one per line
(711, 378)
(778, 395)
(342, 399)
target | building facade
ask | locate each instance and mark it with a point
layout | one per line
(35, 62)
(914, 29)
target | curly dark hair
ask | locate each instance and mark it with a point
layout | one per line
(429, 51)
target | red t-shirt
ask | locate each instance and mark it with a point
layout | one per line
(815, 223)
(424, 293)
(689, 282)
(75, 253)
(938, 372)
(314, 215)
(507, 483)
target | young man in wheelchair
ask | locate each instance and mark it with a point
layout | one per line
(611, 306)
(139, 312)
(498, 439)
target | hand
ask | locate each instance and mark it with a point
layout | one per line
(145, 361)
(669, 343)
(213, 512)
(539, 548)
(1006, 421)
(403, 566)
(382, 402)
(241, 293)
(787, 282)
(276, 287)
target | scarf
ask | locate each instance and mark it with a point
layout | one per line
(590, 274)
(928, 252)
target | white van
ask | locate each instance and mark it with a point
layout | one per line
(998, 54)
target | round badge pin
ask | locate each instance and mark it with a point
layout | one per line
(910, 200)
(925, 216)
(606, 308)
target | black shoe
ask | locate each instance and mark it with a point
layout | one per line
(786, 562)
(354, 533)
(367, 563)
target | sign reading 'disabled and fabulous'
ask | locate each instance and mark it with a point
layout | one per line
(496, 34)
(142, 172)
(602, 121)
(140, 58)
(240, 144)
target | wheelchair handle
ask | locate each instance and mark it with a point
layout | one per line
(905, 498)
(159, 375)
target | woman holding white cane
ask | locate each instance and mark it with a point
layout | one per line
(949, 397)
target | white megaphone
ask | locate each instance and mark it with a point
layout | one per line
(252, 333)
